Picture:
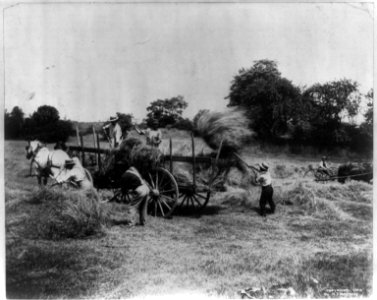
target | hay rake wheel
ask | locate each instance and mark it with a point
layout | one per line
(163, 193)
(321, 176)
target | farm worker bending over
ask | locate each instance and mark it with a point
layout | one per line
(114, 132)
(133, 184)
(73, 172)
(153, 135)
(264, 179)
(323, 166)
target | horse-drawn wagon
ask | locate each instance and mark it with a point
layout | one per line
(168, 190)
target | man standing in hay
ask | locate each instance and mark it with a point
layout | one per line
(133, 184)
(263, 178)
(114, 132)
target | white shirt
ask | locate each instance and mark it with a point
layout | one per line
(153, 137)
(76, 174)
(264, 178)
(115, 134)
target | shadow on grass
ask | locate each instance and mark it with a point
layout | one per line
(55, 271)
(209, 210)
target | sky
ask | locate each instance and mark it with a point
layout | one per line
(93, 60)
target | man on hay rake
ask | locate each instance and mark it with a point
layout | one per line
(323, 166)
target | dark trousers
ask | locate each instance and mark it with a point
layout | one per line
(139, 202)
(266, 197)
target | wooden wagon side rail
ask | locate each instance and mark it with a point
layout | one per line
(189, 159)
(175, 158)
(88, 149)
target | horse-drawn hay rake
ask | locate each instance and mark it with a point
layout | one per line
(167, 190)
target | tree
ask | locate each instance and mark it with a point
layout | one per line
(330, 104)
(166, 112)
(363, 138)
(369, 113)
(45, 125)
(271, 101)
(46, 114)
(334, 100)
(13, 123)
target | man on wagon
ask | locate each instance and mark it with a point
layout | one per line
(74, 173)
(133, 184)
(153, 135)
(114, 132)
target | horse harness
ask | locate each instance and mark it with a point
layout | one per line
(49, 161)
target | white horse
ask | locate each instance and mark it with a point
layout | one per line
(44, 163)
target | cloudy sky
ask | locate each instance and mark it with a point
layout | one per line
(92, 60)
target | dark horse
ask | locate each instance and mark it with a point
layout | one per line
(355, 171)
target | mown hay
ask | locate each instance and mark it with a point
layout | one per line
(231, 127)
(238, 197)
(64, 214)
(310, 200)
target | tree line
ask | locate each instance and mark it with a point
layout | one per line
(320, 115)
(279, 111)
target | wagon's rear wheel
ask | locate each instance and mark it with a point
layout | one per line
(164, 193)
(193, 197)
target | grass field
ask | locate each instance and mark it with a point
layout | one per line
(319, 238)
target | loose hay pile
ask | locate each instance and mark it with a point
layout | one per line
(231, 127)
(63, 214)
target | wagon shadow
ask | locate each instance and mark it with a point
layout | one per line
(209, 210)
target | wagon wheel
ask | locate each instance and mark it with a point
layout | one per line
(196, 197)
(119, 197)
(164, 192)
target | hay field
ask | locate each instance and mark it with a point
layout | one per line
(319, 238)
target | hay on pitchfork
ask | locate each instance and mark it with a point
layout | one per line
(231, 126)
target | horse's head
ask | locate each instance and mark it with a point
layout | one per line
(32, 148)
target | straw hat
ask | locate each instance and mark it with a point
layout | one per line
(263, 166)
(113, 119)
